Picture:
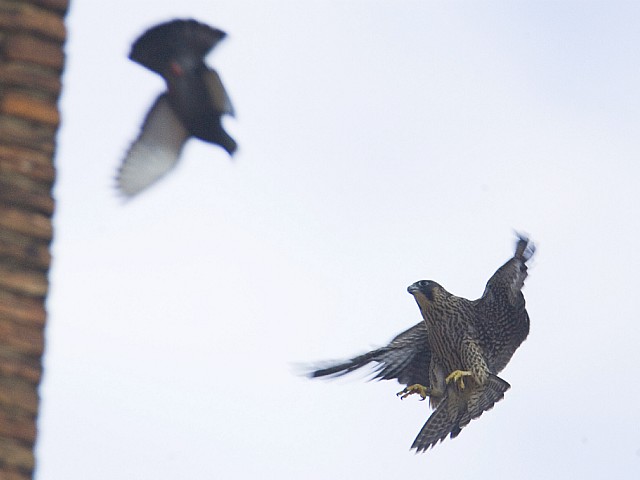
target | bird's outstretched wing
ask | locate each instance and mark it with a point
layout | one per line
(219, 96)
(154, 152)
(509, 278)
(502, 318)
(406, 358)
(161, 44)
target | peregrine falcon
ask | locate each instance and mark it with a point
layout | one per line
(455, 354)
(192, 106)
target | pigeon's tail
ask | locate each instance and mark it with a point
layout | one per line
(225, 141)
(458, 409)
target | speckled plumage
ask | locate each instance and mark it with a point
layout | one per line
(502, 320)
(455, 347)
(457, 334)
(471, 338)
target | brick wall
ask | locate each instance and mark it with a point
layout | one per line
(32, 35)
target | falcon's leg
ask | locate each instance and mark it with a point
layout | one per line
(421, 390)
(457, 376)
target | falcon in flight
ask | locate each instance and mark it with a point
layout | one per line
(192, 106)
(454, 355)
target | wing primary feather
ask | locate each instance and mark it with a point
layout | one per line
(155, 152)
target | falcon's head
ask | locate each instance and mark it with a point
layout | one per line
(428, 293)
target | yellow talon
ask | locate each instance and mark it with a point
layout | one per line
(457, 376)
(416, 388)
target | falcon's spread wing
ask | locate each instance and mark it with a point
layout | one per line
(509, 278)
(187, 39)
(155, 151)
(502, 318)
(406, 358)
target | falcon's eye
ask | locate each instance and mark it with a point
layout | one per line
(427, 288)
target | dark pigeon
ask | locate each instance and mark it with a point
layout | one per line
(192, 106)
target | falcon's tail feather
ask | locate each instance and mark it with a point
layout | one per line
(444, 421)
(483, 399)
(457, 410)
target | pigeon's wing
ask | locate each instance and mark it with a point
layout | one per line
(219, 96)
(161, 44)
(155, 151)
(406, 358)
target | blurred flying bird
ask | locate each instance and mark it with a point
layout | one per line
(454, 355)
(192, 106)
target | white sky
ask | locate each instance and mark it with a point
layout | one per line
(380, 143)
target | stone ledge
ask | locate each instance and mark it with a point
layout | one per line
(25, 17)
(28, 162)
(28, 107)
(26, 48)
(32, 224)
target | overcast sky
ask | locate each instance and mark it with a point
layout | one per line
(380, 143)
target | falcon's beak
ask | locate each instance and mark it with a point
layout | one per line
(422, 286)
(422, 291)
